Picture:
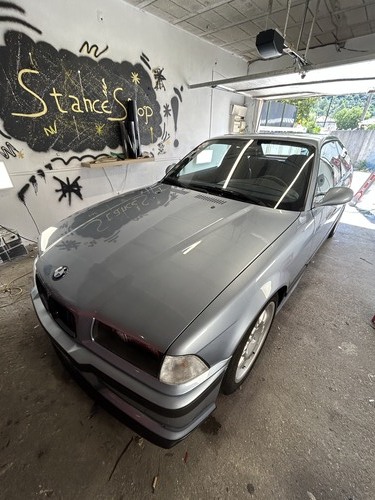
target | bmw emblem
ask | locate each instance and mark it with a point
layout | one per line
(59, 273)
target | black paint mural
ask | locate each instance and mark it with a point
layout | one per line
(34, 183)
(78, 158)
(159, 78)
(164, 138)
(94, 49)
(8, 150)
(56, 100)
(175, 108)
(68, 188)
(145, 60)
(12, 7)
(5, 135)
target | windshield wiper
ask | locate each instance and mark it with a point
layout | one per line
(190, 185)
(233, 194)
(217, 190)
(174, 182)
(230, 193)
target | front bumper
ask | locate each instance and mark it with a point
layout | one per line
(164, 418)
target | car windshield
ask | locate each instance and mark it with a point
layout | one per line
(269, 172)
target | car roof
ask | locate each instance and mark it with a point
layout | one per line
(313, 139)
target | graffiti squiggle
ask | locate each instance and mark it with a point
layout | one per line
(92, 48)
(5, 135)
(79, 158)
(8, 150)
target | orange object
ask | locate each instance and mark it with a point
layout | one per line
(363, 189)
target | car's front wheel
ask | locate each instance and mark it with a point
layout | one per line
(248, 349)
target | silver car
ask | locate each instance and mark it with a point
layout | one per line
(161, 297)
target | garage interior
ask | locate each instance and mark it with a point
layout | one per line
(301, 427)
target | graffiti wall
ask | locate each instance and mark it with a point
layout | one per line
(65, 80)
(55, 100)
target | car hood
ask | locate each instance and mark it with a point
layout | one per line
(149, 261)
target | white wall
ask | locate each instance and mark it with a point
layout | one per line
(128, 32)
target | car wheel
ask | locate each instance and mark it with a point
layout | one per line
(248, 349)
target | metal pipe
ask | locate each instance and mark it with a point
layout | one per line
(303, 23)
(287, 17)
(312, 27)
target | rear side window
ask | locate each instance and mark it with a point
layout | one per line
(330, 154)
(330, 169)
(346, 164)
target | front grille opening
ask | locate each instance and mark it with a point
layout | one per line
(61, 314)
(42, 292)
(128, 347)
(63, 317)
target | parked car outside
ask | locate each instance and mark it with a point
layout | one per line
(161, 297)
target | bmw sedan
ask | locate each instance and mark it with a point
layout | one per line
(161, 297)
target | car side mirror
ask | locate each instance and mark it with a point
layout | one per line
(336, 196)
(169, 168)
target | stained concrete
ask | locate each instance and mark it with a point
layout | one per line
(301, 427)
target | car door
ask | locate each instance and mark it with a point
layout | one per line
(329, 175)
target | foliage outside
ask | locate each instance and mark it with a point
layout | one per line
(348, 119)
(329, 105)
(306, 114)
(347, 110)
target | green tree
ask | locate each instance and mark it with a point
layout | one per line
(339, 102)
(306, 115)
(348, 118)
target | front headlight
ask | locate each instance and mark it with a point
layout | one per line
(44, 239)
(177, 370)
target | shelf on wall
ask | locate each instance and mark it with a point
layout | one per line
(106, 163)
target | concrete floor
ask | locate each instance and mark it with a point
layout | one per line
(301, 427)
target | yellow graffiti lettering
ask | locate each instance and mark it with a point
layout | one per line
(94, 108)
(79, 104)
(105, 107)
(121, 104)
(22, 84)
(145, 111)
(76, 106)
(56, 95)
(86, 102)
(51, 130)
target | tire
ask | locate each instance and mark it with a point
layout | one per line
(248, 349)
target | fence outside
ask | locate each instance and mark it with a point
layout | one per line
(360, 145)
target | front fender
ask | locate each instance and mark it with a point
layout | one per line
(216, 332)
